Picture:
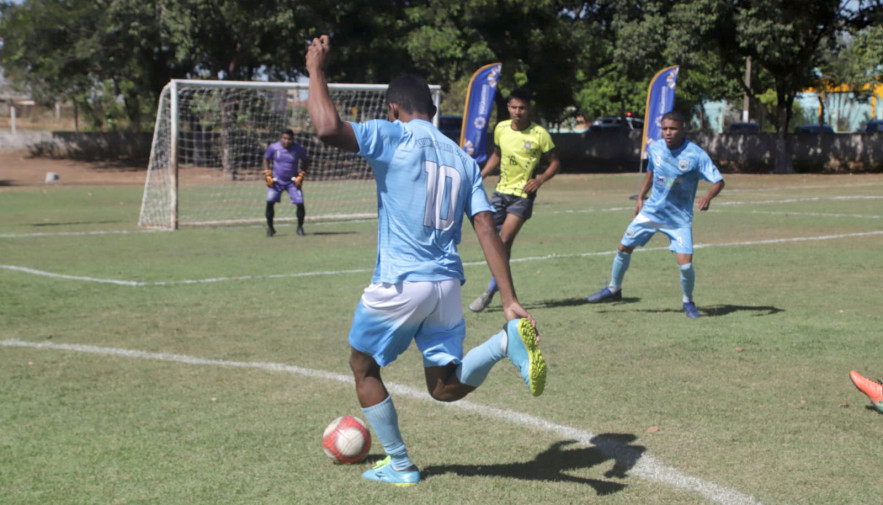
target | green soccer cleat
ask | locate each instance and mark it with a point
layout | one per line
(522, 351)
(384, 472)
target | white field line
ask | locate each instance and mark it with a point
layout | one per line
(181, 282)
(716, 203)
(136, 232)
(640, 464)
(44, 273)
(724, 203)
(77, 233)
(788, 188)
(811, 214)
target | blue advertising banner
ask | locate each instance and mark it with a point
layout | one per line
(479, 101)
(660, 99)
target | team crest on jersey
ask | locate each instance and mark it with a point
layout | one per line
(683, 165)
(527, 146)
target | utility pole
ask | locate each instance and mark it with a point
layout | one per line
(747, 87)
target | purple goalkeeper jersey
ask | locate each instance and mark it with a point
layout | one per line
(285, 161)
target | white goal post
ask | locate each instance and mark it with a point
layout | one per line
(209, 140)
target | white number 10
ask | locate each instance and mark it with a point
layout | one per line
(442, 193)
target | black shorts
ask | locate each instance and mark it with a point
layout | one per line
(511, 204)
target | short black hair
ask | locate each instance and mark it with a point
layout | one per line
(411, 93)
(521, 94)
(674, 115)
(287, 131)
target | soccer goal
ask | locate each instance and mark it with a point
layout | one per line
(209, 140)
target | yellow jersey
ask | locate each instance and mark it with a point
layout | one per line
(520, 153)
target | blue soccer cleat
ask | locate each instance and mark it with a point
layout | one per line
(384, 472)
(522, 351)
(605, 295)
(691, 310)
(482, 301)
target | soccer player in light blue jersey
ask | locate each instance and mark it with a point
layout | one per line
(425, 186)
(674, 171)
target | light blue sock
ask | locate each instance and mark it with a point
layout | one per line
(620, 265)
(688, 279)
(477, 363)
(492, 286)
(384, 419)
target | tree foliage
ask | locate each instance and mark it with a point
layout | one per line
(594, 57)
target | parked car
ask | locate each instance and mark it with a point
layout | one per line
(874, 125)
(814, 128)
(608, 123)
(743, 128)
(450, 126)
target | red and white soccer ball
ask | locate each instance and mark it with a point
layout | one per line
(346, 440)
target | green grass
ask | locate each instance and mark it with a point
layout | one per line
(753, 397)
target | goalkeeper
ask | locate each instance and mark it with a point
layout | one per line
(289, 165)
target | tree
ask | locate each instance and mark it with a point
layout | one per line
(47, 49)
(448, 40)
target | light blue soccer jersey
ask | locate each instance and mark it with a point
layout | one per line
(676, 175)
(425, 185)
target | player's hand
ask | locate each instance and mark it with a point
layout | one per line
(268, 176)
(299, 180)
(532, 186)
(703, 202)
(638, 206)
(317, 53)
(515, 311)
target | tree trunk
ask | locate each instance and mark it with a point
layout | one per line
(783, 164)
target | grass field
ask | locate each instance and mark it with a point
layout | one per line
(201, 366)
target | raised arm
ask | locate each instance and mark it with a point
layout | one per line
(498, 261)
(329, 128)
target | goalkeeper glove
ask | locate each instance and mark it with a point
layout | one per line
(268, 175)
(299, 179)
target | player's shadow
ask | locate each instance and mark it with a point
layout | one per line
(723, 310)
(557, 463)
(567, 302)
(331, 233)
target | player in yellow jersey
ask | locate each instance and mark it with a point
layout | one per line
(520, 146)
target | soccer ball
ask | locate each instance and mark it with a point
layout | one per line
(346, 440)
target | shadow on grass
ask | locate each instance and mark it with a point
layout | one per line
(328, 233)
(707, 311)
(722, 310)
(567, 302)
(555, 463)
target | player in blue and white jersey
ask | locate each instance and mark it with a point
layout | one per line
(675, 168)
(425, 186)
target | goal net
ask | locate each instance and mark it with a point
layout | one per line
(209, 140)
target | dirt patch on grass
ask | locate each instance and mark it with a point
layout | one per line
(21, 169)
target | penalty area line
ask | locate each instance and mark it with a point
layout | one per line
(34, 271)
(638, 463)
